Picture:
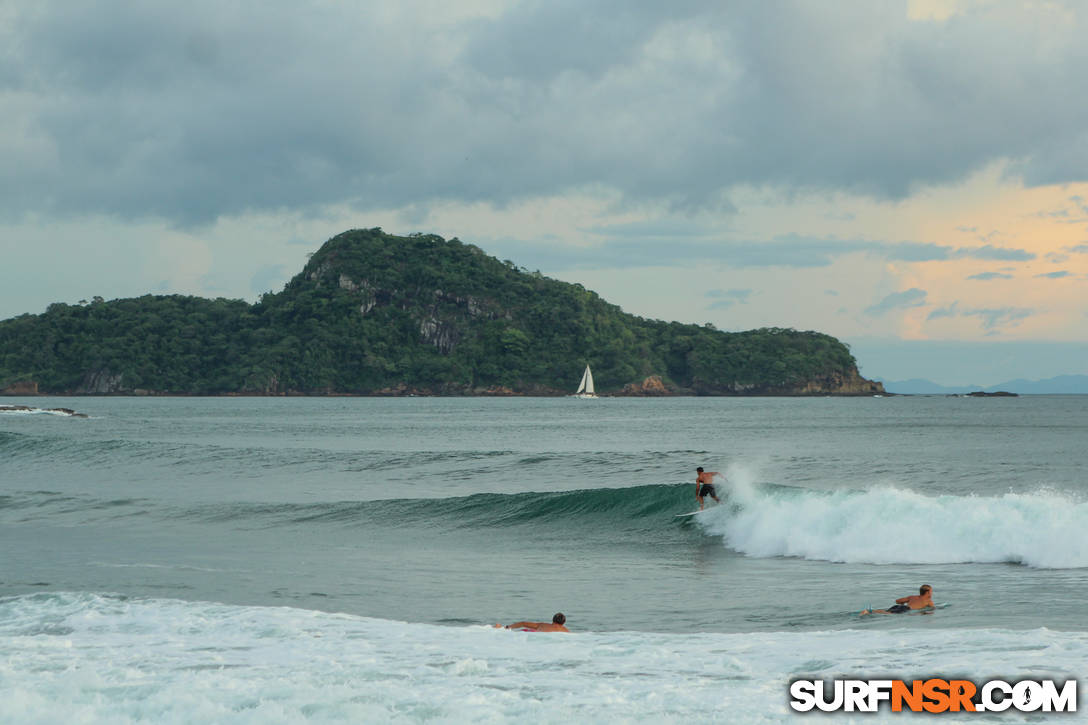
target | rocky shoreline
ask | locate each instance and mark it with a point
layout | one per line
(651, 387)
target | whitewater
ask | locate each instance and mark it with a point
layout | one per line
(1044, 529)
(90, 658)
(343, 560)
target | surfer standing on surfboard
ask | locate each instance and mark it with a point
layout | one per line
(704, 485)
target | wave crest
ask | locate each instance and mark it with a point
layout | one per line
(887, 525)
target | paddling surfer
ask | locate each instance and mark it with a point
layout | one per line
(704, 485)
(556, 625)
(922, 600)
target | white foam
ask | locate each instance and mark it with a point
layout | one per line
(27, 410)
(886, 525)
(89, 658)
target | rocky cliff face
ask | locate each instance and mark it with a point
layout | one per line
(845, 383)
(437, 312)
(25, 387)
(652, 386)
(100, 382)
(850, 383)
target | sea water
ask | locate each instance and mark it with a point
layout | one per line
(342, 559)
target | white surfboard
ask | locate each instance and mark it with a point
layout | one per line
(689, 514)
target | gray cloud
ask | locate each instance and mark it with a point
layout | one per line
(1053, 214)
(193, 111)
(912, 251)
(648, 250)
(948, 311)
(661, 229)
(684, 241)
(1000, 317)
(740, 295)
(990, 275)
(999, 253)
(992, 319)
(724, 299)
(928, 252)
(1054, 275)
(913, 297)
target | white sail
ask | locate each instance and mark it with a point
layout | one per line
(585, 388)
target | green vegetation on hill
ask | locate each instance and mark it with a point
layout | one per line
(373, 312)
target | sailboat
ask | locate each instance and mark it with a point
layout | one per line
(585, 388)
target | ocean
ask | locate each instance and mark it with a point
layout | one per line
(297, 560)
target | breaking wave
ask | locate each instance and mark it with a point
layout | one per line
(887, 525)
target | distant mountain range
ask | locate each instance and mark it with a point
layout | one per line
(1060, 385)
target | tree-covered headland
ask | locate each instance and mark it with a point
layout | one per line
(374, 313)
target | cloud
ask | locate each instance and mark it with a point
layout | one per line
(1000, 317)
(1053, 214)
(681, 241)
(662, 248)
(992, 319)
(724, 299)
(1079, 248)
(989, 251)
(198, 111)
(736, 294)
(912, 251)
(1054, 275)
(990, 275)
(929, 252)
(913, 297)
(658, 229)
(940, 312)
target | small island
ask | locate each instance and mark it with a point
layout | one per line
(996, 394)
(377, 314)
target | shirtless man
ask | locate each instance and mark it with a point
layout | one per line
(556, 625)
(922, 600)
(704, 485)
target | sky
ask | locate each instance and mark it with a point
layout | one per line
(910, 177)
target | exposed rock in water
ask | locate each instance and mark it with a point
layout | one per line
(27, 409)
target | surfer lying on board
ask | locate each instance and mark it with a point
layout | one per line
(704, 485)
(922, 600)
(556, 625)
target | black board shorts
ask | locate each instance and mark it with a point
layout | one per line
(707, 490)
(898, 609)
